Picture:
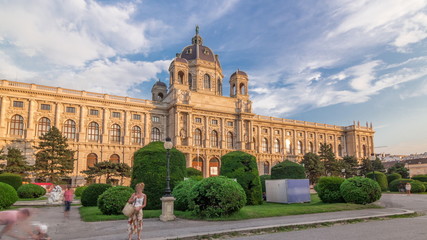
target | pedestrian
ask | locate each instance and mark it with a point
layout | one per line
(68, 198)
(408, 188)
(12, 218)
(135, 221)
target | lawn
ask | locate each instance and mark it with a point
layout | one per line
(91, 214)
(32, 199)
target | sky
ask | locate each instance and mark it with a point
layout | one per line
(334, 61)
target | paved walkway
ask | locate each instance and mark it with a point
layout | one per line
(74, 228)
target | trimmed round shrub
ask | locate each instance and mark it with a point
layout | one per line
(360, 190)
(425, 185)
(288, 170)
(181, 192)
(328, 189)
(79, 190)
(8, 195)
(243, 167)
(399, 184)
(12, 179)
(91, 193)
(393, 176)
(31, 191)
(192, 172)
(421, 178)
(150, 168)
(113, 200)
(216, 197)
(380, 178)
(262, 179)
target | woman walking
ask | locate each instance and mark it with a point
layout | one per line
(138, 200)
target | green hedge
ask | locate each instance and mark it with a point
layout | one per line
(31, 191)
(113, 200)
(192, 172)
(79, 190)
(216, 197)
(12, 179)
(416, 186)
(425, 185)
(8, 195)
(328, 189)
(360, 190)
(421, 178)
(91, 193)
(182, 193)
(243, 167)
(288, 170)
(150, 168)
(393, 176)
(262, 179)
(381, 179)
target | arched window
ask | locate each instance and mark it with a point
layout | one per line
(266, 168)
(310, 147)
(190, 81)
(230, 143)
(300, 147)
(43, 126)
(264, 145)
(70, 129)
(207, 82)
(339, 150)
(198, 137)
(155, 134)
(136, 135)
(115, 133)
(242, 89)
(276, 145)
(160, 96)
(214, 167)
(93, 132)
(197, 164)
(234, 90)
(332, 148)
(181, 77)
(288, 146)
(214, 139)
(364, 150)
(219, 87)
(115, 158)
(17, 125)
(92, 158)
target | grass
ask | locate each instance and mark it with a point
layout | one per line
(92, 214)
(32, 199)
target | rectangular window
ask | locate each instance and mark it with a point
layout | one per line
(45, 107)
(198, 120)
(214, 122)
(94, 112)
(155, 119)
(230, 124)
(116, 115)
(136, 117)
(300, 134)
(288, 133)
(70, 109)
(18, 104)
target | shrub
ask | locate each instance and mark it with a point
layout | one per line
(13, 180)
(243, 167)
(79, 190)
(393, 176)
(288, 170)
(416, 186)
(421, 178)
(31, 191)
(328, 189)
(150, 167)
(360, 190)
(262, 179)
(8, 195)
(91, 193)
(181, 192)
(113, 200)
(380, 178)
(192, 172)
(425, 185)
(216, 197)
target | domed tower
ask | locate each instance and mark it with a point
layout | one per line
(239, 85)
(159, 91)
(198, 68)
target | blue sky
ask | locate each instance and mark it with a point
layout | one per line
(332, 61)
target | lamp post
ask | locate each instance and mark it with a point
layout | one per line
(168, 146)
(167, 199)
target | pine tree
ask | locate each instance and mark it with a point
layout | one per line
(54, 160)
(377, 165)
(16, 163)
(366, 166)
(329, 161)
(350, 164)
(313, 166)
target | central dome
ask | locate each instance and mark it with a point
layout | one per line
(197, 50)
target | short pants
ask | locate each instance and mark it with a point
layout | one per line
(67, 206)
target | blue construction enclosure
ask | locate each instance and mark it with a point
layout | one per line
(287, 190)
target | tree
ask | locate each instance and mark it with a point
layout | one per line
(400, 168)
(313, 166)
(108, 169)
(54, 160)
(123, 170)
(16, 163)
(365, 167)
(329, 160)
(2, 157)
(349, 163)
(377, 165)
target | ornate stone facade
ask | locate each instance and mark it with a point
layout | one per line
(202, 122)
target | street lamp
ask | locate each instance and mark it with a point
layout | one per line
(168, 146)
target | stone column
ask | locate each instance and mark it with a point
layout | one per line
(82, 127)
(167, 209)
(32, 107)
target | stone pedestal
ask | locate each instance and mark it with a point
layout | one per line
(167, 209)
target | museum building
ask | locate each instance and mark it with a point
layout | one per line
(202, 122)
